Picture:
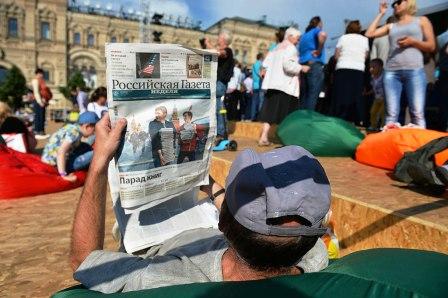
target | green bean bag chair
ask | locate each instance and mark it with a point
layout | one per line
(370, 273)
(319, 134)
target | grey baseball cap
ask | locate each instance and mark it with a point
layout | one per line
(283, 182)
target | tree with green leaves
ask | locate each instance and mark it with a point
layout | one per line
(13, 88)
(76, 80)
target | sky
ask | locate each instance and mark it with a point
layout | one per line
(278, 12)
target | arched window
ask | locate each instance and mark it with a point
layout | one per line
(90, 40)
(126, 40)
(113, 39)
(77, 38)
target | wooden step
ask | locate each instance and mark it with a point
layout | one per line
(250, 130)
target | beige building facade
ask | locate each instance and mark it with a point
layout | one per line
(62, 39)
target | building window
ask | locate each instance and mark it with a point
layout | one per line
(90, 40)
(126, 40)
(47, 75)
(245, 56)
(237, 53)
(13, 28)
(77, 38)
(113, 39)
(3, 74)
(45, 32)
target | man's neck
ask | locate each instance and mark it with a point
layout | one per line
(236, 269)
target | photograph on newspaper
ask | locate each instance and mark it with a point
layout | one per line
(171, 133)
(167, 95)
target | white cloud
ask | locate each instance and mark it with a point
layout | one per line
(170, 7)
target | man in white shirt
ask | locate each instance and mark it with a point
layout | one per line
(233, 94)
(248, 93)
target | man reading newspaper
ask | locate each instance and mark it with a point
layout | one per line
(269, 225)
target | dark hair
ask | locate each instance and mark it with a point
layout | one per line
(353, 27)
(280, 34)
(99, 92)
(377, 61)
(314, 22)
(188, 113)
(262, 252)
(259, 56)
(39, 70)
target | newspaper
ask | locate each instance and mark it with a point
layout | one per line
(152, 226)
(167, 94)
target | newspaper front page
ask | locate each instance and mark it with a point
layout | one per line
(167, 94)
(154, 224)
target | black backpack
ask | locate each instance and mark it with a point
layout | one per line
(419, 167)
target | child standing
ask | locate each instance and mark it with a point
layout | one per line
(377, 109)
(98, 103)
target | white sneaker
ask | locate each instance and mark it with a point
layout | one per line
(42, 137)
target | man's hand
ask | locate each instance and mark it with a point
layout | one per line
(315, 53)
(162, 160)
(305, 68)
(70, 178)
(107, 139)
(406, 42)
(208, 43)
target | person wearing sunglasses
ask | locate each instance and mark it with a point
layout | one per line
(409, 38)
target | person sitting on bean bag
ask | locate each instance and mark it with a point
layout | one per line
(65, 149)
(270, 221)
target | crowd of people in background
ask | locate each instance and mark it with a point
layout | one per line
(375, 78)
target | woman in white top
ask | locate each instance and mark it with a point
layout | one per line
(351, 52)
(98, 103)
(281, 82)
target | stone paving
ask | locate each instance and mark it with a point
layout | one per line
(35, 243)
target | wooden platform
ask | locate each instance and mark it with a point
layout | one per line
(369, 208)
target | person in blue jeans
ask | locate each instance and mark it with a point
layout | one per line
(311, 49)
(65, 149)
(257, 92)
(408, 38)
(224, 73)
